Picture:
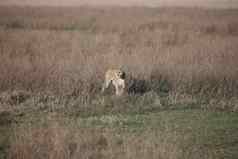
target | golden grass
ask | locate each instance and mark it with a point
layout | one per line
(66, 50)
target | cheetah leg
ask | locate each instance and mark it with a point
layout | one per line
(105, 85)
(120, 86)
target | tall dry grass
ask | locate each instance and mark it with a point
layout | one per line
(67, 50)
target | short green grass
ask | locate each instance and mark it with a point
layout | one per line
(5, 130)
(211, 130)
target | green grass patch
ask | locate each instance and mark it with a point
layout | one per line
(183, 121)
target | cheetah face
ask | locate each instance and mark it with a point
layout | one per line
(121, 74)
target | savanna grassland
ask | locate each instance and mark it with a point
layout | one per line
(182, 83)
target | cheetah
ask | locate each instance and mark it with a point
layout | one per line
(117, 78)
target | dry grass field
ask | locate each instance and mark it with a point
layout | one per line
(64, 49)
(182, 82)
